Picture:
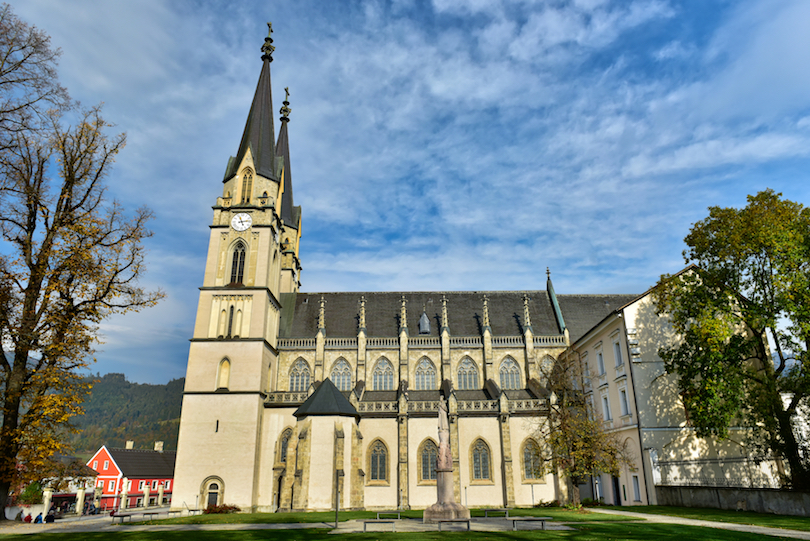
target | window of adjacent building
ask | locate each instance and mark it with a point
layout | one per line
(510, 374)
(299, 376)
(425, 375)
(429, 457)
(480, 460)
(95, 465)
(100, 482)
(605, 407)
(586, 373)
(341, 375)
(383, 376)
(247, 185)
(379, 461)
(636, 489)
(623, 402)
(285, 442)
(467, 375)
(224, 376)
(600, 363)
(532, 465)
(167, 484)
(238, 263)
(154, 484)
(111, 486)
(141, 485)
(106, 465)
(617, 353)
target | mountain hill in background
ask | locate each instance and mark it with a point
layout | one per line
(117, 410)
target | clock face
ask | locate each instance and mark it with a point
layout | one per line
(241, 221)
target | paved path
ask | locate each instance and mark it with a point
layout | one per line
(762, 530)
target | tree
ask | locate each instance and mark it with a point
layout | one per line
(29, 86)
(578, 444)
(71, 258)
(743, 317)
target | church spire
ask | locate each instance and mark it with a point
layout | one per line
(259, 135)
(289, 213)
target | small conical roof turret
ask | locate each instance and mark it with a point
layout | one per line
(259, 135)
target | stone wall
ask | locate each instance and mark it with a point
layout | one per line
(760, 500)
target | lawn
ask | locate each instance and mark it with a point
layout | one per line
(722, 515)
(601, 531)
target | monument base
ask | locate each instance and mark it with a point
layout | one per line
(445, 510)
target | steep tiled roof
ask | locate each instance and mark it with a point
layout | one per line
(326, 400)
(141, 464)
(464, 309)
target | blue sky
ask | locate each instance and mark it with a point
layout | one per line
(442, 145)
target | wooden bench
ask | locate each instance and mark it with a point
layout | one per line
(541, 520)
(397, 513)
(453, 520)
(122, 517)
(151, 515)
(504, 511)
(177, 512)
(392, 522)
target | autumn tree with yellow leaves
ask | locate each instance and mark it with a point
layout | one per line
(70, 256)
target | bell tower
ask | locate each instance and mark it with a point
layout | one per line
(252, 259)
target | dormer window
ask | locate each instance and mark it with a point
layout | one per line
(424, 324)
(247, 185)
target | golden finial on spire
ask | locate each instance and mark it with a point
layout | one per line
(486, 311)
(267, 48)
(285, 109)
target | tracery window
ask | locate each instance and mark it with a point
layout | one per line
(341, 375)
(299, 376)
(532, 465)
(383, 376)
(480, 459)
(510, 374)
(247, 185)
(238, 263)
(379, 457)
(467, 375)
(428, 456)
(425, 375)
(285, 441)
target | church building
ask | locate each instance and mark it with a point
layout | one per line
(294, 399)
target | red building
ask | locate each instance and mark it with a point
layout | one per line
(148, 475)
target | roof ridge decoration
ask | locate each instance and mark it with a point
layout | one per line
(403, 315)
(445, 323)
(554, 304)
(527, 319)
(486, 313)
(322, 314)
(259, 135)
(362, 312)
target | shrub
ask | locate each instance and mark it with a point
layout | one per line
(221, 509)
(32, 494)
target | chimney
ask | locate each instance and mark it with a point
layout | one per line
(159, 446)
(130, 444)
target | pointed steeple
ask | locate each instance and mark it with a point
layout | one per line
(554, 304)
(289, 213)
(259, 135)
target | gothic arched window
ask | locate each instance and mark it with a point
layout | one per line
(510, 374)
(341, 375)
(532, 464)
(425, 375)
(238, 263)
(299, 376)
(378, 458)
(428, 457)
(285, 441)
(247, 185)
(383, 376)
(224, 375)
(480, 461)
(467, 375)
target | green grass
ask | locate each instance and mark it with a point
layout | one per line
(722, 515)
(556, 513)
(601, 531)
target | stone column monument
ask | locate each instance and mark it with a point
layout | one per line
(445, 507)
